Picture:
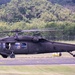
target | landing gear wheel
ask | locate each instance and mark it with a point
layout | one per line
(73, 55)
(12, 55)
(4, 56)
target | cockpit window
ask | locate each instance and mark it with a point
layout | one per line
(0, 45)
(3, 45)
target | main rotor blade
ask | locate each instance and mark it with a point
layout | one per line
(41, 30)
(31, 30)
(12, 31)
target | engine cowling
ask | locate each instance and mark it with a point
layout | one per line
(35, 39)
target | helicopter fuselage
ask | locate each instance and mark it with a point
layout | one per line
(35, 48)
(32, 45)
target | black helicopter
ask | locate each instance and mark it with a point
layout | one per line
(18, 44)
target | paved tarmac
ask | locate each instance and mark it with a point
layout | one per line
(38, 61)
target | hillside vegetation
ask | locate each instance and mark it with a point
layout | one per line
(70, 4)
(4, 1)
(63, 2)
(30, 14)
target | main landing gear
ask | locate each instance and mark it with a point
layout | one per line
(12, 55)
(72, 54)
(6, 55)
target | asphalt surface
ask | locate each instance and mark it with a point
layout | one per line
(37, 61)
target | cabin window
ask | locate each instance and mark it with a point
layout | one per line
(24, 45)
(17, 45)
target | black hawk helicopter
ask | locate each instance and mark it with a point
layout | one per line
(18, 44)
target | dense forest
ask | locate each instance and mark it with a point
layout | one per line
(31, 14)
